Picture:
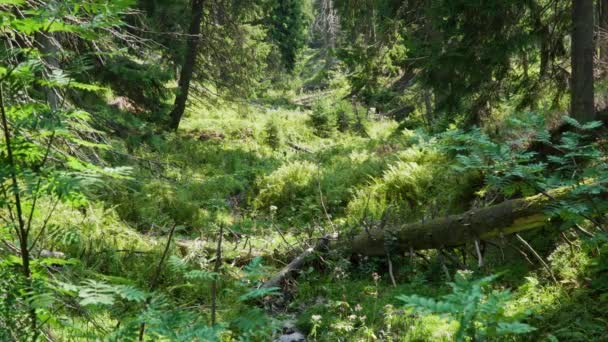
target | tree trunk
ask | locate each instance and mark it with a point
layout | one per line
(506, 218)
(188, 65)
(603, 33)
(49, 47)
(582, 101)
(296, 264)
(428, 106)
(509, 217)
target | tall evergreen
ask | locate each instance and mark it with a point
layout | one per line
(187, 67)
(582, 93)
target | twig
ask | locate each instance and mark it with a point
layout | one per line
(36, 194)
(218, 264)
(45, 223)
(463, 251)
(524, 254)
(23, 236)
(281, 235)
(444, 267)
(11, 247)
(542, 261)
(142, 328)
(582, 230)
(297, 263)
(299, 148)
(479, 256)
(331, 223)
(502, 252)
(412, 260)
(569, 243)
(423, 257)
(453, 259)
(390, 270)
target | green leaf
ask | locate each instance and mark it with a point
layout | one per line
(258, 293)
(514, 328)
(58, 262)
(131, 293)
(12, 2)
(42, 300)
(96, 293)
(86, 86)
(200, 275)
(592, 125)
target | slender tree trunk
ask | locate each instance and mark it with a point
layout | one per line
(50, 49)
(189, 62)
(603, 33)
(428, 105)
(216, 269)
(582, 101)
(156, 277)
(22, 231)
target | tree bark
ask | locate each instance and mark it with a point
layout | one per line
(296, 264)
(188, 65)
(506, 218)
(50, 49)
(582, 101)
(603, 33)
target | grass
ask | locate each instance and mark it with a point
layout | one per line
(219, 169)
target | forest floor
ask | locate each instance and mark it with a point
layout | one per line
(262, 172)
(276, 175)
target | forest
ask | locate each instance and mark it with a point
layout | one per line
(303, 170)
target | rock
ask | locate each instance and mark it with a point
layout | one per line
(291, 333)
(52, 254)
(289, 328)
(294, 337)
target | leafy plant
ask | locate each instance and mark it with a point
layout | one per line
(35, 127)
(481, 313)
(321, 119)
(272, 136)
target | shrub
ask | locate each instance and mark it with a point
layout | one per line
(272, 136)
(287, 187)
(481, 313)
(344, 116)
(343, 121)
(321, 120)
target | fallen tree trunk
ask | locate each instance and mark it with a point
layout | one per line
(508, 217)
(296, 264)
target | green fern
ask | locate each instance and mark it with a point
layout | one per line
(260, 293)
(480, 312)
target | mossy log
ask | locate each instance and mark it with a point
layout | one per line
(509, 217)
(506, 218)
(296, 264)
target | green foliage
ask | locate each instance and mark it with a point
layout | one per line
(142, 83)
(273, 137)
(481, 314)
(288, 29)
(415, 186)
(576, 162)
(321, 119)
(13, 308)
(99, 293)
(98, 190)
(468, 58)
(287, 187)
(342, 122)
(260, 293)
